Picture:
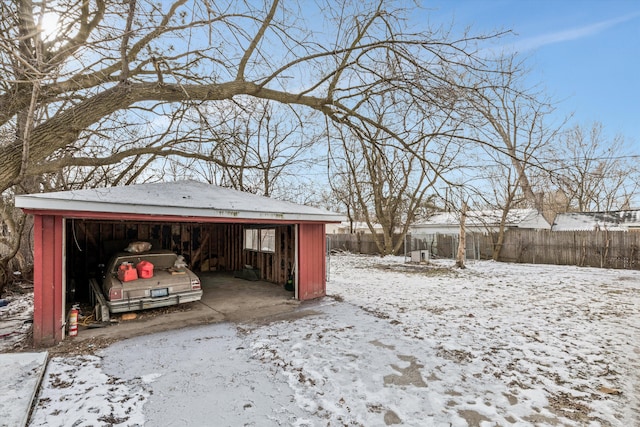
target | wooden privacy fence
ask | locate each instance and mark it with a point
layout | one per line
(604, 249)
(359, 243)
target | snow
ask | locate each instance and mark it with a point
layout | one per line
(182, 198)
(393, 343)
(523, 218)
(589, 221)
(76, 392)
(481, 221)
(16, 319)
(20, 375)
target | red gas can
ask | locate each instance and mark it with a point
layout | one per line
(145, 269)
(126, 272)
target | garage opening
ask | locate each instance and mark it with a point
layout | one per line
(204, 223)
(264, 252)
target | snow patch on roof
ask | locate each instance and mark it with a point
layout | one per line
(588, 221)
(183, 198)
(482, 217)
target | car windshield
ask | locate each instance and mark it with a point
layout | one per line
(159, 261)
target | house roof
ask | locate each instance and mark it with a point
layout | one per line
(180, 198)
(523, 218)
(356, 225)
(583, 221)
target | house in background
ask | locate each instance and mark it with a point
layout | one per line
(484, 221)
(358, 227)
(345, 227)
(627, 220)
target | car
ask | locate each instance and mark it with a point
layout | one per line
(156, 278)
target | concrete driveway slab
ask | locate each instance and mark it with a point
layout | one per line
(20, 376)
(225, 299)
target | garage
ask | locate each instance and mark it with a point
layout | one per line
(215, 229)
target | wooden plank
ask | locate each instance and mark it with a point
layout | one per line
(311, 261)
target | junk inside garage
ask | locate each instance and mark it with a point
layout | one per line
(215, 247)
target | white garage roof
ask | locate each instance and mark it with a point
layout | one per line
(180, 198)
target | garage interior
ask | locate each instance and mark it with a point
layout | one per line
(214, 251)
(219, 231)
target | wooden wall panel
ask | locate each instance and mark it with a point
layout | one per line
(311, 261)
(48, 310)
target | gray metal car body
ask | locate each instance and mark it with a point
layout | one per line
(167, 286)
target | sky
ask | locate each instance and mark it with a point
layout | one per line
(585, 54)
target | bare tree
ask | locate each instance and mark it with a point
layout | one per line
(462, 238)
(95, 91)
(510, 125)
(511, 121)
(386, 183)
(500, 194)
(594, 172)
(256, 145)
(343, 194)
(111, 57)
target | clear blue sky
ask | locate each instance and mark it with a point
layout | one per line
(586, 54)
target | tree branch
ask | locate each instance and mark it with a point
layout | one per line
(254, 43)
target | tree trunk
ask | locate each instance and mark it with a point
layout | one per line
(63, 129)
(462, 241)
(497, 247)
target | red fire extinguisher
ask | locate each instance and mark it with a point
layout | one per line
(73, 321)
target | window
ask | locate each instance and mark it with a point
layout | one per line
(260, 239)
(251, 239)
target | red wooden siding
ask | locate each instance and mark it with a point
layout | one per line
(311, 261)
(212, 245)
(48, 308)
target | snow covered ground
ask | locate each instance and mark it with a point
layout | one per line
(394, 343)
(16, 318)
